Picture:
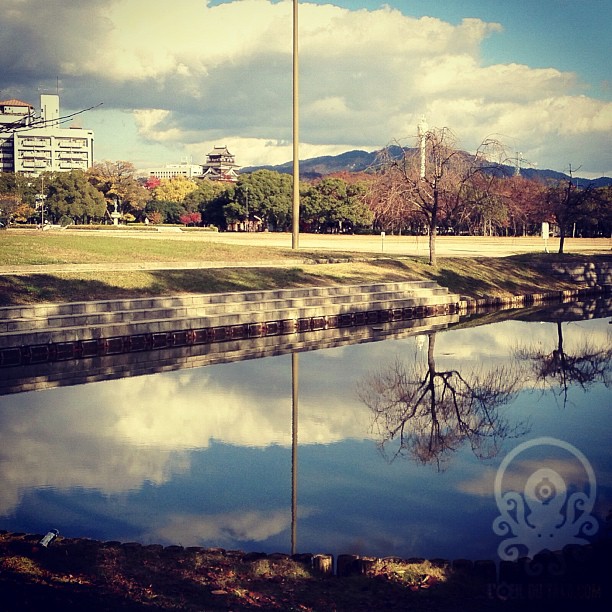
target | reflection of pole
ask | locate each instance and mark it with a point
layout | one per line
(294, 444)
(295, 238)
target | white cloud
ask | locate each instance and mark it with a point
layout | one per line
(197, 75)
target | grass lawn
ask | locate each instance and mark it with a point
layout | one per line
(35, 248)
(474, 277)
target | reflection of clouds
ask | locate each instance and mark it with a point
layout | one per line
(188, 412)
(62, 440)
(498, 341)
(515, 479)
(223, 529)
(77, 461)
(114, 436)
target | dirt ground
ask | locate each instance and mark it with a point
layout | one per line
(76, 574)
(446, 246)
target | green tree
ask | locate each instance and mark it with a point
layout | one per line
(170, 212)
(209, 199)
(270, 198)
(70, 194)
(333, 205)
(27, 189)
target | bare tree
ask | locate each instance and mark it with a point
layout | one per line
(566, 202)
(433, 177)
(431, 413)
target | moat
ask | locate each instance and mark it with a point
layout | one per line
(394, 446)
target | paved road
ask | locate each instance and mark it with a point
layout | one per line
(446, 246)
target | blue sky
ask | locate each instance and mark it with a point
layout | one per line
(173, 84)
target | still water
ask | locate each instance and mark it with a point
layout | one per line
(400, 446)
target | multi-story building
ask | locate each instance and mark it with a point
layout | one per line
(172, 170)
(14, 115)
(32, 145)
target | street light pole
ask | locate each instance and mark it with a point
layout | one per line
(295, 236)
(41, 199)
(246, 192)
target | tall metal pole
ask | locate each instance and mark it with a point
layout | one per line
(295, 237)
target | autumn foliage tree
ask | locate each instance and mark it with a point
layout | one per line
(438, 183)
(191, 218)
(524, 200)
(175, 189)
(117, 181)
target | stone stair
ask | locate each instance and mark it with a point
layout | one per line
(50, 345)
(44, 323)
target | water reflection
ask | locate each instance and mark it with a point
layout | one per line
(585, 363)
(429, 413)
(203, 456)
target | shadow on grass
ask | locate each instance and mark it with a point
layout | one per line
(472, 277)
(68, 287)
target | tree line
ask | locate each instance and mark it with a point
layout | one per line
(432, 189)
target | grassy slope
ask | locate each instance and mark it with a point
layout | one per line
(474, 277)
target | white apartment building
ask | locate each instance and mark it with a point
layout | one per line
(32, 145)
(14, 114)
(171, 170)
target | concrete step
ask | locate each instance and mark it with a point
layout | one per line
(44, 324)
(359, 301)
(189, 301)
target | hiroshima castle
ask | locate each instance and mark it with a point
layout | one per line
(220, 165)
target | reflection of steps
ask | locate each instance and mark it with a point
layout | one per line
(66, 369)
(221, 316)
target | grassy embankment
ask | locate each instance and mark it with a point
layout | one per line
(475, 277)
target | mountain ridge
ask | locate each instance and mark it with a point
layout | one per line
(357, 160)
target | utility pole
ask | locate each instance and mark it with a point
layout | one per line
(295, 236)
(40, 198)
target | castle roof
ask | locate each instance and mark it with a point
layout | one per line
(220, 151)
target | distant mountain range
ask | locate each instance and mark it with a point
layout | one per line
(362, 161)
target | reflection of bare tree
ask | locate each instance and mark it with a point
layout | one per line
(431, 413)
(588, 364)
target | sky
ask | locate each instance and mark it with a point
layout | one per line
(176, 79)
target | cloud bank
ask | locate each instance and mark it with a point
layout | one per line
(201, 74)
